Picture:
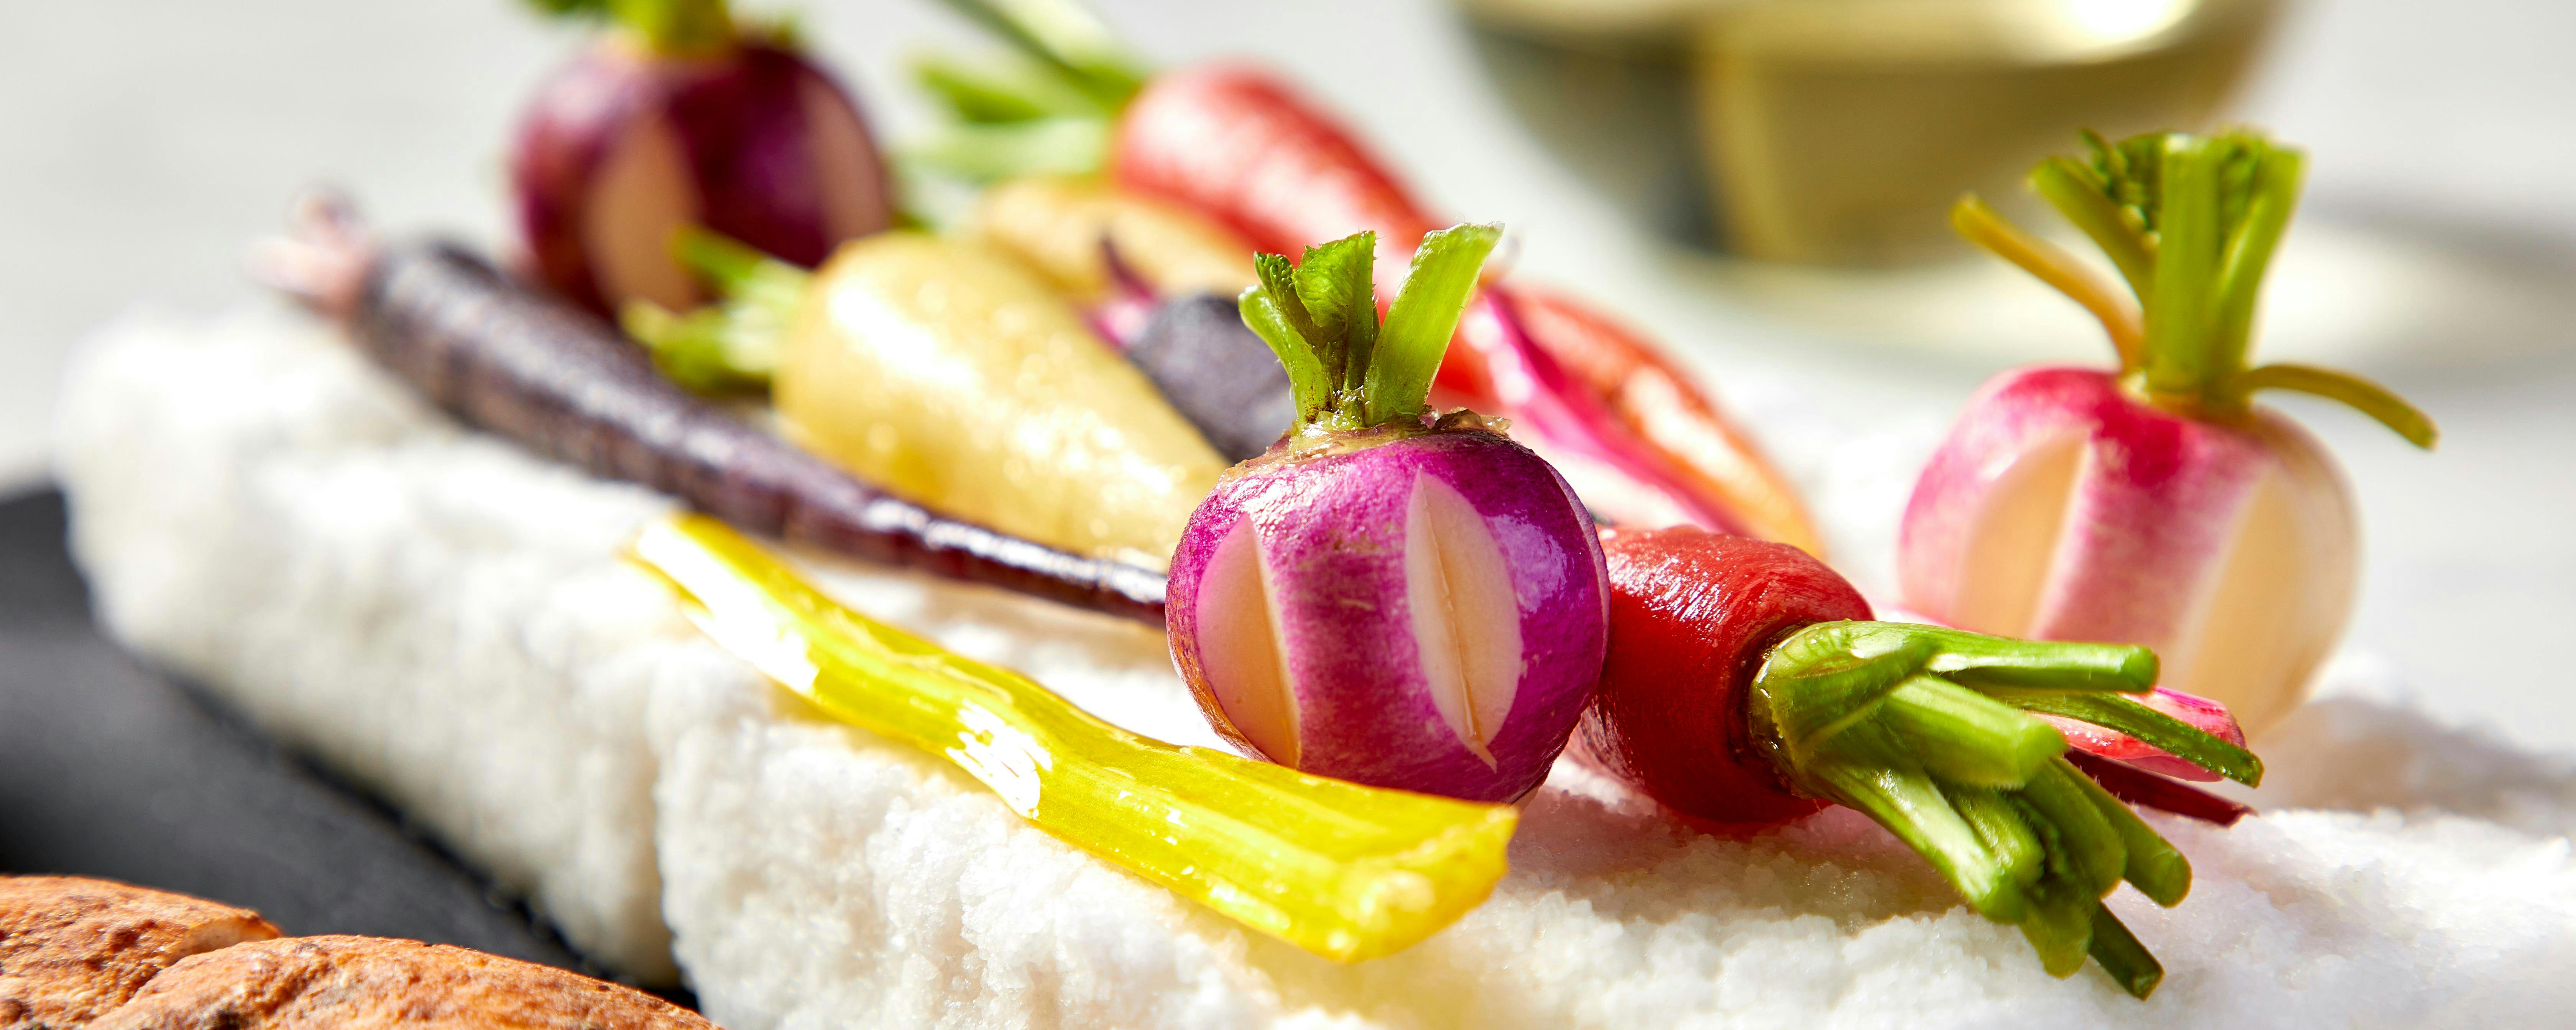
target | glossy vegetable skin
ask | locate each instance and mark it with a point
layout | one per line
(1345, 871)
(2156, 503)
(950, 374)
(1704, 614)
(560, 382)
(1085, 236)
(1745, 688)
(1658, 402)
(1242, 146)
(1383, 597)
(674, 118)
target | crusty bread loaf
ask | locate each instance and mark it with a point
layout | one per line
(357, 983)
(72, 949)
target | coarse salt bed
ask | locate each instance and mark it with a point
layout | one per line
(445, 618)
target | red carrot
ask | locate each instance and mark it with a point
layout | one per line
(1745, 688)
(1239, 145)
(559, 381)
(1657, 403)
(1242, 146)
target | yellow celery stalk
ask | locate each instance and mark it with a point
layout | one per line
(1345, 871)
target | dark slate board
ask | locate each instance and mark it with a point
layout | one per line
(110, 768)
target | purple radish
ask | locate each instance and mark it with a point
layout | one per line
(1382, 597)
(680, 117)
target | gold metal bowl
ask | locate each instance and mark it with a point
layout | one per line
(1839, 131)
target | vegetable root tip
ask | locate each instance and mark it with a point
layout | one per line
(323, 259)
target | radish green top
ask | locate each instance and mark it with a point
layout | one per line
(730, 346)
(667, 27)
(1043, 108)
(1924, 729)
(1350, 371)
(2192, 223)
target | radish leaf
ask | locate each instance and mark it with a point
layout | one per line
(1425, 313)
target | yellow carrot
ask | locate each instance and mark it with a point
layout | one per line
(1065, 228)
(946, 372)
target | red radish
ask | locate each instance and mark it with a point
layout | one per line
(1744, 688)
(1384, 598)
(2157, 504)
(681, 118)
(1237, 144)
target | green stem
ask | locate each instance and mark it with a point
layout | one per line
(2156, 729)
(1912, 806)
(1992, 663)
(1268, 319)
(2077, 193)
(2276, 177)
(988, 94)
(2193, 222)
(2119, 953)
(991, 151)
(1972, 219)
(2179, 357)
(2152, 864)
(1425, 313)
(1967, 738)
(2000, 825)
(2370, 398)
(2060, 926)
(731, 346)
(680, 28)
(1928, 731)
(2094, 857)
(1066, 37)
(1320, 317)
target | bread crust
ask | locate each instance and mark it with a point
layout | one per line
(361, 983)
(73, 949)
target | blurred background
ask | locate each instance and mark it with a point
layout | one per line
(1760, 182)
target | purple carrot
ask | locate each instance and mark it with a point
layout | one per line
(1217, 373)
(556, 379)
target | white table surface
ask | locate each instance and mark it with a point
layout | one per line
(143, 142)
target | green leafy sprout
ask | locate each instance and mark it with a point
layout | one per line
(667, 26)
(2192, 223)
(1045, 107)
(1349, 371)
(1931, 733)
(729, 347)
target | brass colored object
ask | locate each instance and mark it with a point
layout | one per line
(1839, 131)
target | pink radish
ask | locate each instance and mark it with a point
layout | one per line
(2156, 505)
(1382, 597)
(681, 118)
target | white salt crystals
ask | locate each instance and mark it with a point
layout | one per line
(444, 617)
